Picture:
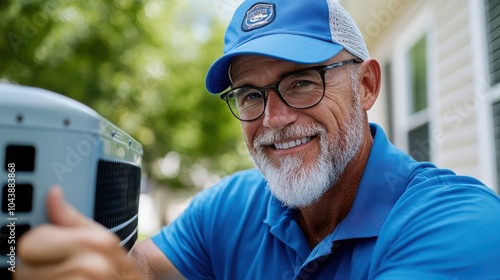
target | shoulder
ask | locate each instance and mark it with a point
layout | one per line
(443, 223)
(439, 197)
(432, 186)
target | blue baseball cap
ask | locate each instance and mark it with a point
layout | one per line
(304, 32)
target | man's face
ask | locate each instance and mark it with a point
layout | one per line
(301, 152)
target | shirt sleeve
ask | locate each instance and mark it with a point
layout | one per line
(441, 228)
(183, 241)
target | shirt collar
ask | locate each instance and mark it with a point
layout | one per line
(384, 181)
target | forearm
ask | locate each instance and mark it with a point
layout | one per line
(141, 263)
(152, 262)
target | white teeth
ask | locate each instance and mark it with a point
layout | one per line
(291, 144)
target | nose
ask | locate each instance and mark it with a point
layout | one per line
(277, 114)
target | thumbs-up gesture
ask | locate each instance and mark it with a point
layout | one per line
(71, 247)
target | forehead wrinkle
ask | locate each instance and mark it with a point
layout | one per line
(248, 65)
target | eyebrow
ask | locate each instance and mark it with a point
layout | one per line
(280, 77)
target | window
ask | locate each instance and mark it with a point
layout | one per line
(496, 124)
(493, 37)
(419, 142)
(418, 134)
(418, 76)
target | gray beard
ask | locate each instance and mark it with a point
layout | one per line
(293, 184)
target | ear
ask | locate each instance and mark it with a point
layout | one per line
(370, 80)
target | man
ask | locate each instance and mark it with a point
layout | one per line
(331, 198)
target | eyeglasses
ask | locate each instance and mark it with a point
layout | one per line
(300, 90)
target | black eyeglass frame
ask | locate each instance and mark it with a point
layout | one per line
(265, 90)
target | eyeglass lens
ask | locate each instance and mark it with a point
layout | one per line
(299, 90)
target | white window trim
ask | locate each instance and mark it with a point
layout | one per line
(404, 121)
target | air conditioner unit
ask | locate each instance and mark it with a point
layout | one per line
(48, 139)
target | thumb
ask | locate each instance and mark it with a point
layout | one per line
(62, 213)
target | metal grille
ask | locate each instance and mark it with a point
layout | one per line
(117, 199)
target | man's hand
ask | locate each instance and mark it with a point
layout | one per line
(72, 247)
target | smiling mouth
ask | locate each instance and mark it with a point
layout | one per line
(291, 144)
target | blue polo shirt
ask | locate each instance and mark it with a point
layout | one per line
(409, 220)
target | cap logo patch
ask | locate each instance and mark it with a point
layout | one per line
(257, 16)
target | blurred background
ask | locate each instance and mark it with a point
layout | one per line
(142, 64)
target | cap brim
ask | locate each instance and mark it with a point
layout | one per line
(289, 47)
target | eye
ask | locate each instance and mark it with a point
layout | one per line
(252, 96)
(249, 97)
(303, 83)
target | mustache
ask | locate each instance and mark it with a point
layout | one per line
(290, 132)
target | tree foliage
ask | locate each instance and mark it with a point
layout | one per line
(140, 64)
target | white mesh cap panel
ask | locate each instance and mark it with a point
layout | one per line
(345, 32)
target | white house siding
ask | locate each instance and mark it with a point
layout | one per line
(459, 105)
(455, 87)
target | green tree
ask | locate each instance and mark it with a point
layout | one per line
(140, 64)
